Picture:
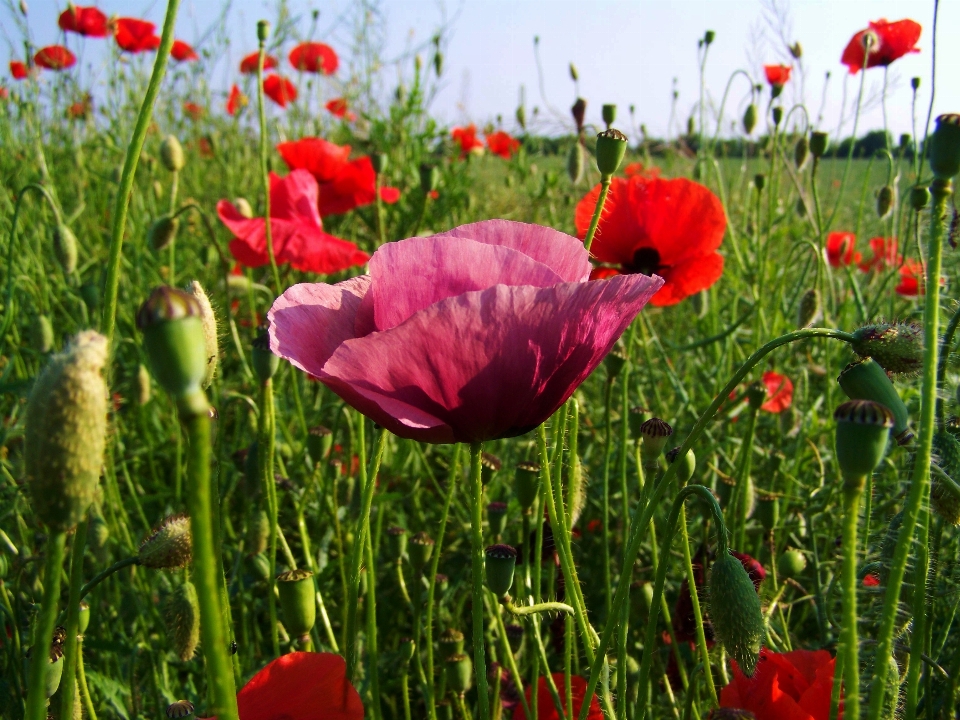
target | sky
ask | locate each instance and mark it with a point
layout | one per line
(627, 52)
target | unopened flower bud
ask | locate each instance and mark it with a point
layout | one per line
(750, 119)
(181, 615)
(258, 533)
(263, 30)
(897, 347)
(919, 198)
(611, 147)
(41, 334)
(497, 518)
(65, 435)
(65, 248)
(162, 232)
(800, 152)
(527, 484)
(791, 564)
(735, 612)
(575, 162)
(420, 548)
(379, 162)
(83, 617)
(759, 180)
(796, 50)
(685, 465)
(756, 393)
(500, 561)
(407, 650)
(635, 418)
(609, 114)
(708, 37)
(654, 434)
(614, 363)
(818, 143)
(170, 545)
(450, 642)
(319, 442)
(574, 75)
(866, 380)
(459, 673)
(767, 510)
(171, 154)
(777, 113)
(808, 311)
(180, 710)
(915, 83)
(884, 201)
(521, 115)
(208, 320)
(297, 603)
(438, 63)
(863, 428)
(429, 177)
(944, 152)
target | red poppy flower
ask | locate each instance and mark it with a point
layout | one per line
(840, 249)
(786, 686)
(650, 225)
(135, 36)
(194, 111)
(466, 138)
(248, 66)
(279, 89)
(314, 57)
(87, 21)
(911, 279)
(888, 42)
(19, 70)
(337, 107)
(298, 236)
(545, 708)
(389, 195)
(55, 57)
(235, 101)
(181, 52)
(499, 143)
(777, 74)
(779, 392)
(885, 255)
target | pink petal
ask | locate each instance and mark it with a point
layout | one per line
(413, 274)
(557, 250)
(294, 197)
(486, 364)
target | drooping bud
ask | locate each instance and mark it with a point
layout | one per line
(420, 549)
(429, 177)
(575, 162)
(65, 435)
(489, 465)
(451, 643)
(863, 429)
(180, 709)
(181, 615)
(884, 201)
(527, 484)
(41, 334)
(497, 518)
(174, 341)
(170, 545)
(611, 147)
(919, 198)
(944, 491)
(208, 320)
(579, 112)
(171, 154)
(897, 347)
(500, 561)
(297, 603)
(685, 465)
(521, 117)
(808, 311)
(609, 114)
(791, 564)
(944, 153)
(800, 152)
(162, 232)
(459, 673)
(749, 119)
(735, 612)
(818, 143)
(654, 434)
(866, 380)
(65, 248)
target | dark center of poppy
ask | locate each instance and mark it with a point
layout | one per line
(646, 260)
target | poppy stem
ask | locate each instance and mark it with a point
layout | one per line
(476, 552)
(695, 604)
(264, 168)
(266, 438)
(852, 490)
(921, 621)
(73, 620)
(595, 220)
(43, 631)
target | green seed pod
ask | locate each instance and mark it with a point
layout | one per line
(654, 434)
(319, 442)
(514, 637)
(420, 549)
(818, 144)
(500, 561)
(767, 510)
(258, 532)
(944, 497)
(210, 333)
(497, 518)
(489, 465)
(174, 341)
(527, 484)
(41, 334)
(244, 208)
(884, 202)
(808, 311)
(863, 429)
(451, 643)
(429, 177)
(180, 710)
(379, 162)
(263, 30)
(170, 545)
(171, 154)
(181, 614)
(735, 611)
(297, 601)
(438, 63)
(749, 119)
(614, 363)
(919, 198)
(162, 232)
(521, 115)
(777, 113)
(944, 152)
(609, 114)
(65, 248)
(897, 347)
(791, 564)
(397, 537)
(459, 672)
(575, 163)
(759, 180)
(66, 429)
(83, 618)
(687, 465)
(866, 380)
(800, 152)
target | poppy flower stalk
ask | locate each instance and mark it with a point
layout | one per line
(611, 146)
(263, 32)
(477, 563)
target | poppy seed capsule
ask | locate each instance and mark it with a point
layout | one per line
(818, 143)
(709, 36)
(459, 673)
(611, 147)
(162, 232)
(173, 340)
(497, 518)
(897, 347)
(609, 114)
(500, 561)
(170, 545)
(451, 643)
(319, 442)
(749, 119)
(866, 380)
(182, 618)
(420, 548)
(791, 564)
(209, 321)
(297, 603)
(800, 152)
(265, 363)
(65, 248)
(65, 434)
(944, 496)
(863, 429)
(884, 201)
(919, 198)
(944, 152)
(171, 154)
(527, 484)
(654, 434)
(777, 112)
(759, 180)
(756, 393)
(180, 709)
(398, 542)
(489, 465)
(575, 163)
(686, 467)
(735, 612)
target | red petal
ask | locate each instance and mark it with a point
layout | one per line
(55, 57)
(389, 195)
(314, 57)
(779, 392)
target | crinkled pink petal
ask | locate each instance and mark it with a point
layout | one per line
(488, 364)
(557, 250)
(413, 274)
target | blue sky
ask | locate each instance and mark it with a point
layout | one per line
(626, 52)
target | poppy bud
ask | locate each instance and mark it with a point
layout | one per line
(243, 207)
(499, 563)
(777, 112)
(527, 484)
(41, 334)
(451, 643)
(635, 419)
(574, 75)
(575, 163)
(866, 380)
(791, 564)
(691, 131)
(750, 119)
(863, 429)
(162, 232)
(261, 566)
(915, 83)
(759, 180)
(609, 114)
(654, 434)
(209, 322)
(258, 533)
(735, 612)
(614, 363)
(919, 198)
(800, 152)
(796, 50)
(945, 147)
(182, 617)
(489, 465)
(297, 603)
(170, 545)
(767, 511)
(379, 162)
(818, 144)
(180, 709)
(319, 442)
(65, 248)
(521, 117)
(809, 308)
(263, 30)
(687, 464)
(420, 550)
(171, 154)
(756, 393)
(438, 63)
(497, 518)
(897, 347)
(708, 37)
(429, 177)
(55, 670)
(459, 673)
(265, 363)
(157, 190)
(65, 434)
(579, 111)
(944, 498)
(611, 146)
(884, 201)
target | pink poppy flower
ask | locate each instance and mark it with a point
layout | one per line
(779, 392)
(481, 332)
(298, 236)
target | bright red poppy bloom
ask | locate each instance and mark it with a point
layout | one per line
(194, 111)
(248, 66)
(466, 138)
(911, 279)
(19, 70)
(389, 195)
(337, 107)
(236, 100)
(279, 89)
(786, 686)
(55, 57)
(888, 42)
(87, 21)
(545, 708)
(181, 52)
(314, 57)
(135, 36)
(499, 143)
(840, 249)
(651, 225)
(779, 392)
(298, 236)
(777, 74)
(885, 255)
